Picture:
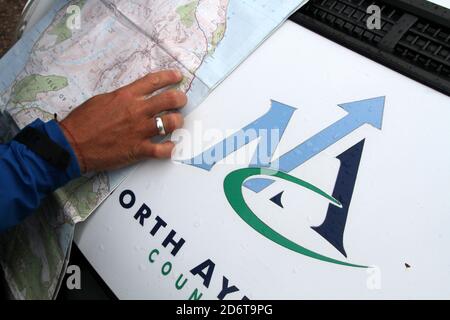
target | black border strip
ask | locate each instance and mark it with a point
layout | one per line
(78, 258)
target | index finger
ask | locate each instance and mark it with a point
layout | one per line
(154, 81)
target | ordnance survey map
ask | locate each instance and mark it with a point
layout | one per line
(83, 48)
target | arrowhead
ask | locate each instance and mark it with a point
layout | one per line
(367, 111)
(287, 107)
(277, 199)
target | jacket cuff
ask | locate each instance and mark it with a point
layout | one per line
(54, 132)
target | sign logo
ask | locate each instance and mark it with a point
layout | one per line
(259, 175)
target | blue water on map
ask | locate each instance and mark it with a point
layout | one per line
(249, 23)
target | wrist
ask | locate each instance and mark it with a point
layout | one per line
(74, 144)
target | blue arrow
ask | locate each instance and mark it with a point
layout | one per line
(368, 111)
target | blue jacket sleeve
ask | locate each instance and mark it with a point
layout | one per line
(26, 178)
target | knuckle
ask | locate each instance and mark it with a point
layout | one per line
(175, 98)
(171, 76)
(157, 151)
(161, 151)
(151, 151)
(174, 121)
(154, 79)
(179, 120)
(123, 94)
(168, 123)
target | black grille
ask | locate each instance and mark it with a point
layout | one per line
(414, 37)
(428, 46)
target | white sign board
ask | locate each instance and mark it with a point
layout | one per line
(360, 206)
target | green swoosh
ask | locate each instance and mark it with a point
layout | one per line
(233, 191)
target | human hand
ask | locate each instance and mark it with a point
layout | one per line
(113, 130)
